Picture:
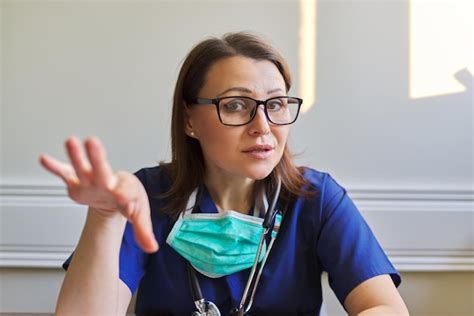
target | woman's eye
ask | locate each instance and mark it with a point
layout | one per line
(235, 105)
(274, 105)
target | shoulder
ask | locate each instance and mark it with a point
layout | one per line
(154, 179)
(322, 181)
(329, 193)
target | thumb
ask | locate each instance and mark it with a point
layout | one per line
(142, 227)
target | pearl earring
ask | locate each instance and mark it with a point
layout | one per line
(192, 134)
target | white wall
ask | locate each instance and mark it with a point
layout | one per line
(107, 68)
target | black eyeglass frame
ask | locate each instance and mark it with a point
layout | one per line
(204, 101)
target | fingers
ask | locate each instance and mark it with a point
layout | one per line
(78, 159)
(102, 172)
(62, 170)
(89, 166)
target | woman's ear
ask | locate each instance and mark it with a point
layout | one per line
(188, 123)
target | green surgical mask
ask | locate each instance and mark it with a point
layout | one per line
(217, 244)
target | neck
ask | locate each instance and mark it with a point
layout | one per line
(230, 192)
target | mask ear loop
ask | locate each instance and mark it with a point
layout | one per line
(267, 222)
(190, 204)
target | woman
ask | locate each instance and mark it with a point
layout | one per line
(230, 167)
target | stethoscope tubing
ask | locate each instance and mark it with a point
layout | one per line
(271, 213)
(252, 272)
(267, 222)
(259, 274)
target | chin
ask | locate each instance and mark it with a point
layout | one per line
(259, 173)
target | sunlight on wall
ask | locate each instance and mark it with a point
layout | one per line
(441, 39)
(307, 54)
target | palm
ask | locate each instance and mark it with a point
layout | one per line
(97, 197)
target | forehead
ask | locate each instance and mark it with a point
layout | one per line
(258, 76)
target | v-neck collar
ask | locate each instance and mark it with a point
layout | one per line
(205, 204)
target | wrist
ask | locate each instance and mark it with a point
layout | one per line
(104, 217)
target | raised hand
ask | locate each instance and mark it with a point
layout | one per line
(91, 181)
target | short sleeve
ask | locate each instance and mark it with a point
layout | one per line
(346, 247)
(132, 258)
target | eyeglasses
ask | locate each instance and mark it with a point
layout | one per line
(238, 110)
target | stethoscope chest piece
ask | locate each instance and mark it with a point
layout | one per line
(206, 308)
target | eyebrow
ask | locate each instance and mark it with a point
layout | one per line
(242, 89)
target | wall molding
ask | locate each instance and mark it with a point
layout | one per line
(420, 229)
(35, 258)
(428, 260)
(404, 261)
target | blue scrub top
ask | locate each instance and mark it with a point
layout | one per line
(323, 233)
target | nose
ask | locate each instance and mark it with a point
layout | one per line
(259, 125)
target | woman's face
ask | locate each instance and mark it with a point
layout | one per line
(231, 150)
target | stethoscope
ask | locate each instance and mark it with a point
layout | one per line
(207, 308)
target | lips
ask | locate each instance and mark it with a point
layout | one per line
(259, 148)
(259, 152)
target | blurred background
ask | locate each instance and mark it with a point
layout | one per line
(388, 94)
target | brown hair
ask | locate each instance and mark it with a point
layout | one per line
(186, 168)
